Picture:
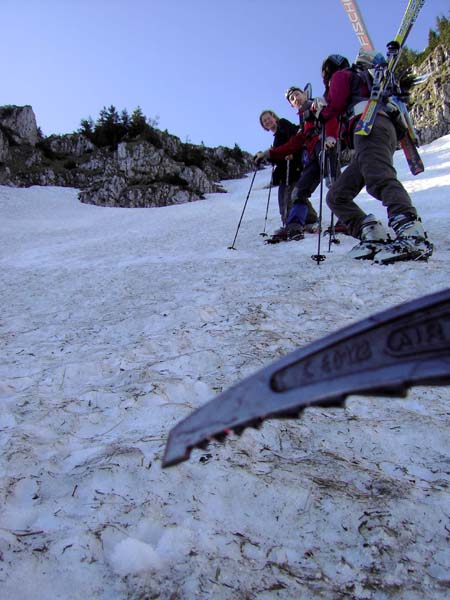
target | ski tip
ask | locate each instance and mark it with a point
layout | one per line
(308, 89)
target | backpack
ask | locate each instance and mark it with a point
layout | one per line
(361, 86)
(361, 83)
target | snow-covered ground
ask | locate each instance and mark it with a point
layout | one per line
(116, 323)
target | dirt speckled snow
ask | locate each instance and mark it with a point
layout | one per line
(117, 323)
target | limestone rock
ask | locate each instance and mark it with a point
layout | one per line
(70, 145)
(20, 123)
(4, 147)
(431, 100)
(154, 170)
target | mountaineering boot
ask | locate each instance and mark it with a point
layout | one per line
(280, 235)
(296, 231)
(338, 227)
(312, 227)
(411, 242)
(373, 236)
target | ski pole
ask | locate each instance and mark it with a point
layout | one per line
(332, 233)
(286, 194)
(264, 234)
(321, 257)
(243, 210)
(333, 176)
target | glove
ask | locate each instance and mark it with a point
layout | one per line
(260, 156)
(317, 105)
(330, 142)
(307, 111)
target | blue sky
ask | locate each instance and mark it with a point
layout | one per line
(206, 68)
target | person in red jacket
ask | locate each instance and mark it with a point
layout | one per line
(372, 166)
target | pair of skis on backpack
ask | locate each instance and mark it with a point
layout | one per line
(385, 86)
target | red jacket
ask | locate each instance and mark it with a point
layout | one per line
(307, 138)
(340, 98)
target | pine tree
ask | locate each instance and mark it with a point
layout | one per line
(138, 123)
(109, 130)
(443, 25)
(87, 127)
(125, 118)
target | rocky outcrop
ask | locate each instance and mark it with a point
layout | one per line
(138, 174)
(4, 147)
(155, 170)
(431, 100)
(18, 124)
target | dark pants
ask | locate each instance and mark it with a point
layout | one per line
(372, 166)
(285, 201)
(305, 186)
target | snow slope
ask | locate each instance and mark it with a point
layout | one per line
(117, 323)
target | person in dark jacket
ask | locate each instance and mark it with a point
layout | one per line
(372, 166)
(287, 170)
